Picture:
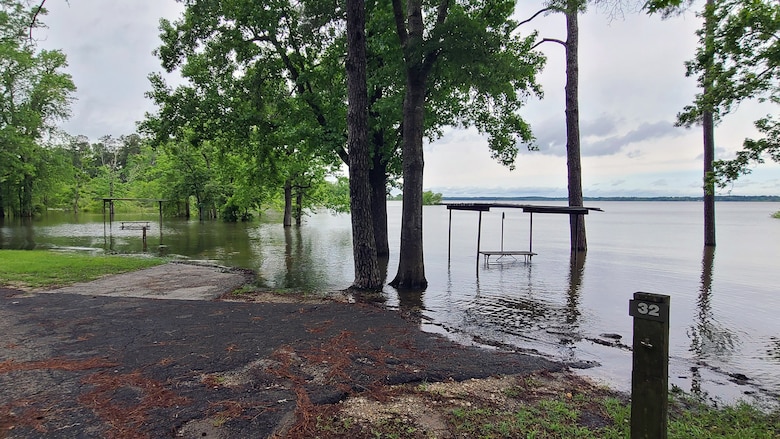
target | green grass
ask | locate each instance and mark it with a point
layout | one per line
(776, 214)
(589, 412)
(35, 269)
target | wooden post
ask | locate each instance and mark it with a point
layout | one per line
(650, 374)
(502, 230)
(531, 235)
(144, 236)
(449, 238)
(479, 237)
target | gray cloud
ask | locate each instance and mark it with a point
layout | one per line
(599, 136)
(646, 131)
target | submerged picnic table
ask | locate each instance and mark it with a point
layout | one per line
(135, 225)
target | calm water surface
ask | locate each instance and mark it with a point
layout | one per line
(725, 304)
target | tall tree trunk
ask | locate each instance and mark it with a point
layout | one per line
(708, 127)
(287, 221)
(25, 197)
(363, 244)
(298, 214)
(411, 266)
(2, 204)
(573, 162)
(377, 176)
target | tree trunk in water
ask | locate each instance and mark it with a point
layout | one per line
(287, 222)
(708, 128)
(573, 162)
(363, 243)
(2, 204)
(411, 31)
(377, 176)
(411, 266)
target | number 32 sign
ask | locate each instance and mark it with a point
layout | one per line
(650, 310)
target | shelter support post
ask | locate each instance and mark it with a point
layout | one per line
(479, 237)
(449, 238)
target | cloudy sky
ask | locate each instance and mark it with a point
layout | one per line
(632, 84)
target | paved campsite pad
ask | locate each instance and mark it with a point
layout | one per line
(185, 281)
(85, 366)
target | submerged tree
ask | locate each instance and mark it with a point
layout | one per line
(738, 59)
(462, 62)
(571, 9)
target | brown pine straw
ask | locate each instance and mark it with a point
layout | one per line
(55, 364)
(126, 421)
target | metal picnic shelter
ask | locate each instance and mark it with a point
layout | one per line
(529, 208)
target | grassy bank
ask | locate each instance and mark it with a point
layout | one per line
(37, 269)
(540, 406)
(776, 215)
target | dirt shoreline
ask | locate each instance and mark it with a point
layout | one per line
(91, 366)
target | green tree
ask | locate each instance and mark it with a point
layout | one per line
(468, 55)
(738, 59)
(571, 9)
(34, 93)
(431, 198)
(252, 77)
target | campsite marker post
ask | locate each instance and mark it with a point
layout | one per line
(650, 372)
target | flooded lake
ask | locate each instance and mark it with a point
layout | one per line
(725, 304)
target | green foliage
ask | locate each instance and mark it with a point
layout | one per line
(34, 93)
(265, 96)
(335, 195)
(429, 198)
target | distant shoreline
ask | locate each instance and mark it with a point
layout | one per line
(761, 198)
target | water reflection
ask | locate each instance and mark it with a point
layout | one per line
(513, 305)
(709, 339)
(17, 234)
(576, 270)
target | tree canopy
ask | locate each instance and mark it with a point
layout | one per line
(34, 94)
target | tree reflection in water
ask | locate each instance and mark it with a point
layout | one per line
(709, 339)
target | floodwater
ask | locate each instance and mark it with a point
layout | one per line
(725, 304)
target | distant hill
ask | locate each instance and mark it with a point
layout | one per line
(771, 198)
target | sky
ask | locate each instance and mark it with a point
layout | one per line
(632, 85)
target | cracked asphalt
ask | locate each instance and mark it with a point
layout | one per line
(75, 363)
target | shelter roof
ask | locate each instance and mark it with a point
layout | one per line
(484, 207)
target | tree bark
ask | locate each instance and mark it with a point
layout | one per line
(298, 206)
(287, 221)
(377, 176)
(411, 266)
(418, 62)
(363, 244)
(708, 128)
(25, 197)
(573, 161)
